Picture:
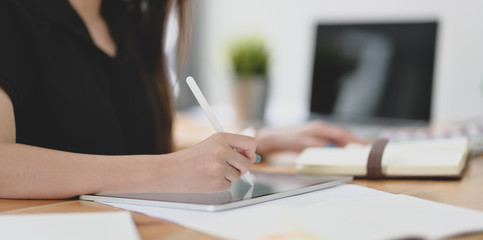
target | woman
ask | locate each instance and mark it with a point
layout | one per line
(85, 106)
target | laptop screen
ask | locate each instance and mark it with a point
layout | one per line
(374, 70)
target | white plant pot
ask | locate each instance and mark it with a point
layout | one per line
(250, 96)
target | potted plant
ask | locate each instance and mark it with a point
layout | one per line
(249, 59)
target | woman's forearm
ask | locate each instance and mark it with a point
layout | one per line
(210, 166)
(33, 172)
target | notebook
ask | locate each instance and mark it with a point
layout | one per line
(435, 158)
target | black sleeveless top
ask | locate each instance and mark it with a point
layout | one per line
(67, 93)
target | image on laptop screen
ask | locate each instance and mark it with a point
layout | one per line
(374, 71)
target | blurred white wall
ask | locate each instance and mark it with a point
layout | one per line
(289, 28)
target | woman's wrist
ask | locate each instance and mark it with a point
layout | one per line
(266, 140)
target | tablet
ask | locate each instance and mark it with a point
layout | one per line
(267, 186)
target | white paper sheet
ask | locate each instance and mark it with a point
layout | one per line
(61, 226)
(343, 212)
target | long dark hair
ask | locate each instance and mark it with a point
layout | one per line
(138, 26)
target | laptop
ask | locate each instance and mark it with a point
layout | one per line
(369, 77)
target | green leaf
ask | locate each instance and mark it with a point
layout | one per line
(249, 56)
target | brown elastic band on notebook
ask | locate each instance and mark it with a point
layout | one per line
(374, 169)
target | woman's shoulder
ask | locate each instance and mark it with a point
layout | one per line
(16, 12)
(25, 21)
(20, 29)
(21, 11)
(14, 7)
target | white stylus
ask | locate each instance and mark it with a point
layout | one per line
(247, 177)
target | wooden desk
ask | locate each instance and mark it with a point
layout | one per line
(467, 193)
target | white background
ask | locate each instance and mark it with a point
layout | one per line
(289, 29)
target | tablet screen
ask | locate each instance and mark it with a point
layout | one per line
(267, 186)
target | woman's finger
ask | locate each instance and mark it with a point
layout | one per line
(239, 162)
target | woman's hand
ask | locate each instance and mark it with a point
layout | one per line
(211, 165)
(312, 134)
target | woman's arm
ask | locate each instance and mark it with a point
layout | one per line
(312, 134)
(33, 172)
